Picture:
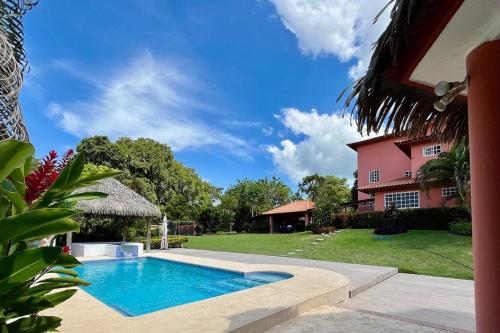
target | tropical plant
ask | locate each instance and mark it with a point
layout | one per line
(25, 287)
(451, 167)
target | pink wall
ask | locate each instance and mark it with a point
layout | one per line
(431, 200)
(384, 156)
(417, 155)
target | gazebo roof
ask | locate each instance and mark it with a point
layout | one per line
(292, 207)
(121, 201)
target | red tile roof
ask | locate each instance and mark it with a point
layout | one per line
(405, 181)
(292, 207)
(355, 145)
(405, 145)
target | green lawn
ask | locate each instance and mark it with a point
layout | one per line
(408, 252)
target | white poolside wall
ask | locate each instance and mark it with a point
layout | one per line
(100, 249)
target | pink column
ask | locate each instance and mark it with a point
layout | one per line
(483, 70)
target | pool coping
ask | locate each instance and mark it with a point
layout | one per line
(250, 310)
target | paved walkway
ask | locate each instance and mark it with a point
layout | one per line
(380, 296)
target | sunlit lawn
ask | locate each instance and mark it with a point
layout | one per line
(408, 252)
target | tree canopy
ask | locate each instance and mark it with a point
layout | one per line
(150, 169)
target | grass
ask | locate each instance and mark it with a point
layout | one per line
(428, 252)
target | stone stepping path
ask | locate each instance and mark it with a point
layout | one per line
(315, 242)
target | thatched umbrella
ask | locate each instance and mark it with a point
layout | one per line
(122, 202)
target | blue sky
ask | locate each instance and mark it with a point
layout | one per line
(237, 88)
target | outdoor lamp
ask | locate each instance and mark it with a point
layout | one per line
(442, 88)
(448, 91)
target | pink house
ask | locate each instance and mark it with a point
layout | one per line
(387, 166)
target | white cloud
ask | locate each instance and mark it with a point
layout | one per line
(342, 28)
(323, 150)
(150, 97)
(267, 131)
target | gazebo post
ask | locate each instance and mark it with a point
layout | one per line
(148, 234)
(270, 224)
(483, 69)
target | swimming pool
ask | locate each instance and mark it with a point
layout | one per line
(138, 286)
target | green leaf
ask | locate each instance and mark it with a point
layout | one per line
(67, 280)
(8, 189)
(24, 265)
(43, 288)
(76, 167)
(67, 261)
(37, 223)
(27, 166)
(13, 153)
(4, 206)
(64, 271)
(17, 247)
(38, 324)
(98, 176)
(34, 304)
(17, 178)
(84, 196)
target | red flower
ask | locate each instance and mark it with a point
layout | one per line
(65, 249)
(47, 172)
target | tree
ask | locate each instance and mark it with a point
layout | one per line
(332, 192)
(100, 151)
(249, 198)
(310, 185)
(354, 188)
(149, 168)
(451, 167)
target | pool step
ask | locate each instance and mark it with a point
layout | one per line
(235, 284)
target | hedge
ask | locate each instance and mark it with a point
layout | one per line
(173, 241)
(423, 218)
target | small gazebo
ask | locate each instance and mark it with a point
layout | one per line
(121, 202)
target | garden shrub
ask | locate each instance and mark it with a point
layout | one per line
(391, 223)
(422, 218)
(173, 242)
(461, 227)
(357, 220)
(322, 230)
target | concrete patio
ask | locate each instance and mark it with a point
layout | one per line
(386, 301)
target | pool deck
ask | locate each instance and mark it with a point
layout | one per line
(250, 310)
(396, 299)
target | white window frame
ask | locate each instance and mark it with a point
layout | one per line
(408, 173)
(431, 150)
(373, 176)
(416, 203)
(447, 192)
(371, 206)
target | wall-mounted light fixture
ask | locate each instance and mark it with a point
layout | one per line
(448, 91)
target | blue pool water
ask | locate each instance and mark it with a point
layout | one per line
(138, 286)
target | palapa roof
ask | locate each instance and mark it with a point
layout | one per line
(121, 201)
(385, 99)
(292, 207)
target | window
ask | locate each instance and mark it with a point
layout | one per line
(407, 173)
(448, 191)
(432, 150)
(371, 206)
(402, 199)
(373, 176)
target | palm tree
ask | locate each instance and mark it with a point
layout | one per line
(451, 167)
